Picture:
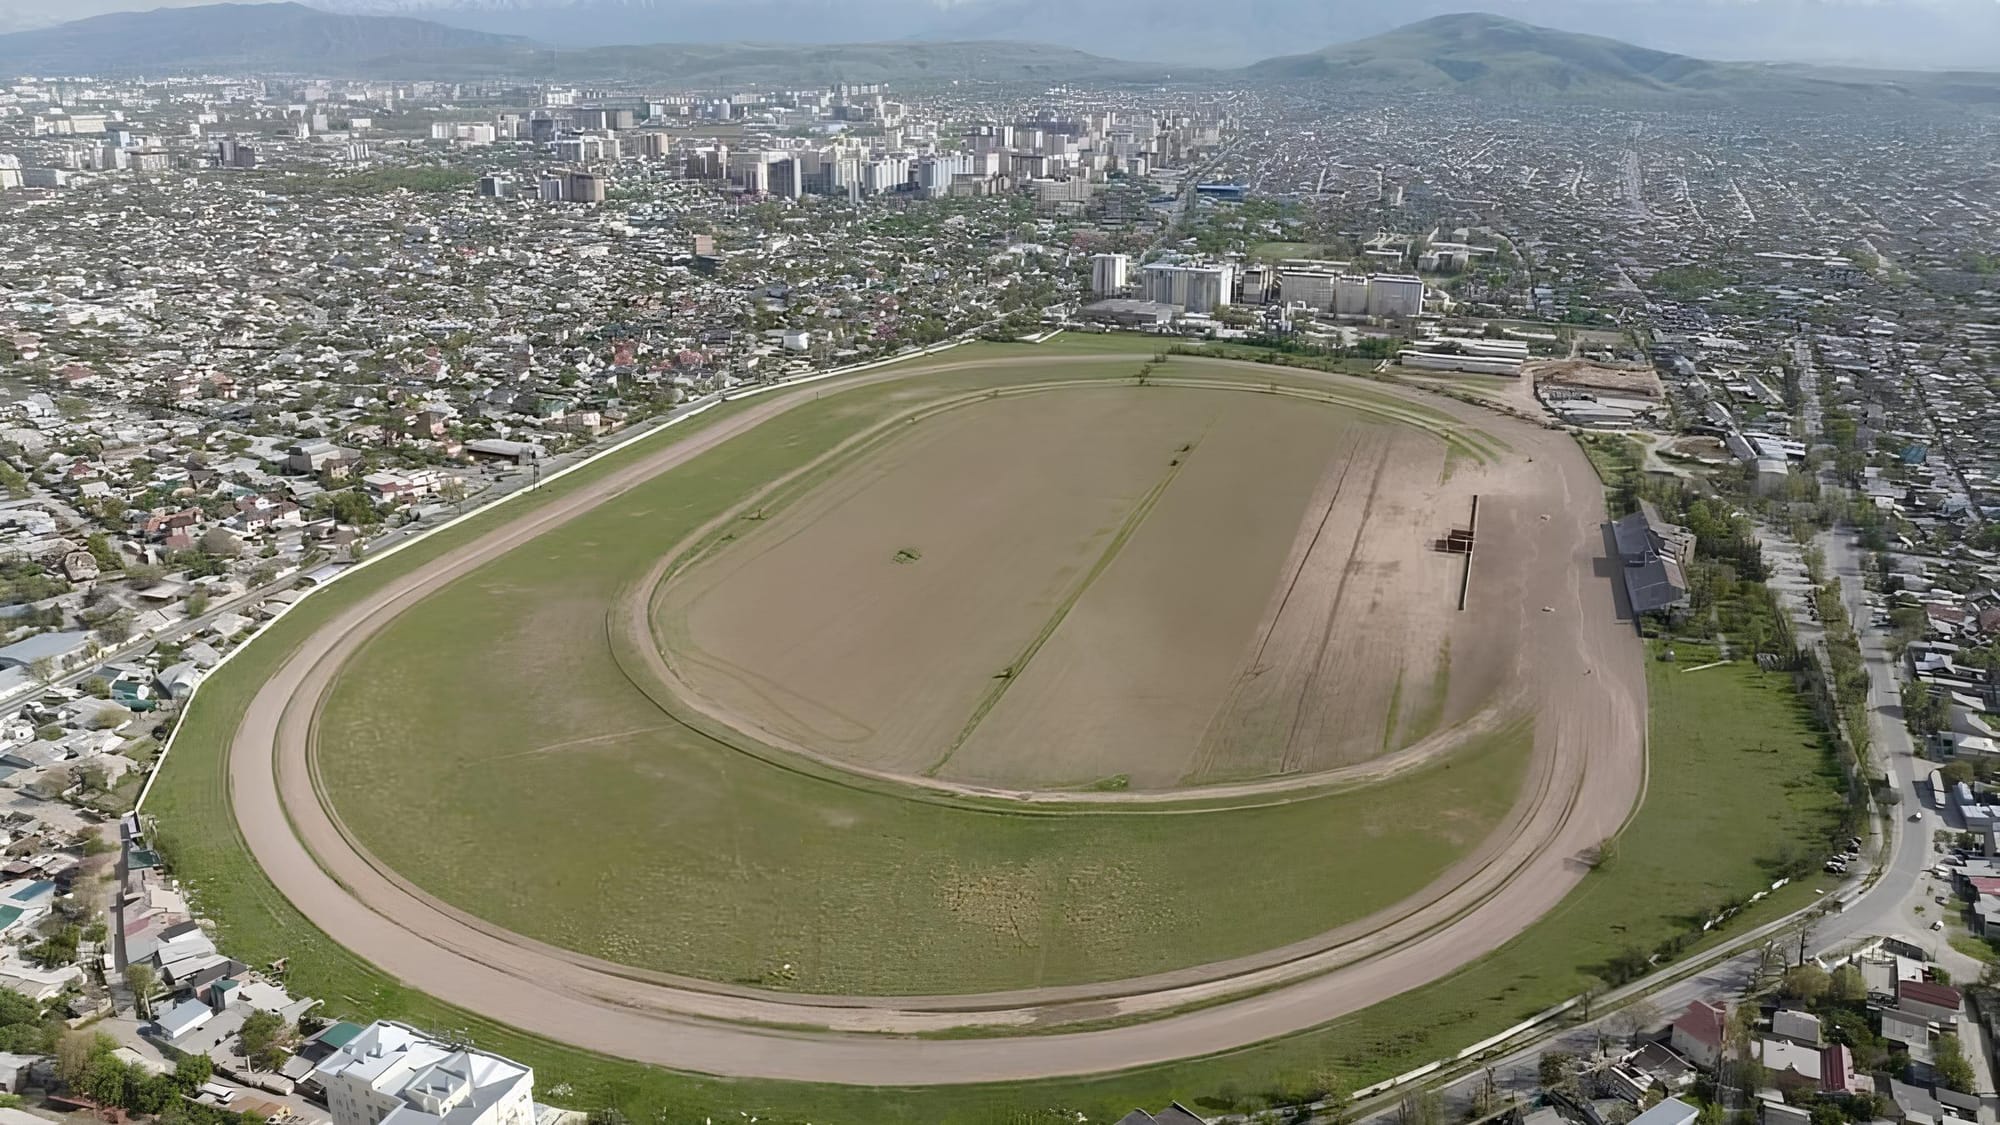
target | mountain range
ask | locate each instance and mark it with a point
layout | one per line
(1918, 34)
(232, 37)
(1471, 53)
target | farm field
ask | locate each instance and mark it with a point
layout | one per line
(549, 795)
(1160, 571)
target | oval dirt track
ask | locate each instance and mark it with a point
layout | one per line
(1590, 708)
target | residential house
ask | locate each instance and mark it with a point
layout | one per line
(1699, 1032)
(1790, 1064)
(1671, 1111)
(182, 1018)
(1796, 1027)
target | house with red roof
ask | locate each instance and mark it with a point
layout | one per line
(1939, 1003)
(1699, 1032)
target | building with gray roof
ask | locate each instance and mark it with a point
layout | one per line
(1655, 555)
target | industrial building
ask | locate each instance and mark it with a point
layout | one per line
(1189, 288)
(1395, 295)
(1471, 354)
(1109, 274)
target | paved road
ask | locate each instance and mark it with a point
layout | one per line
(1586, 661)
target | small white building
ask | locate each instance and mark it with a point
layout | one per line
(1672, 1111)
(393, 1074)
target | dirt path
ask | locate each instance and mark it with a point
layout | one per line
(1588, 771)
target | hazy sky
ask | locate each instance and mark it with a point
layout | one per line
(1921, 33)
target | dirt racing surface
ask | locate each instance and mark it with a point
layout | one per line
(1539, 569)
(1141, 586)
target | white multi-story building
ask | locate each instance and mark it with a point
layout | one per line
(1313, 288)
(1109, 274)
(1195, 289)
(1350, 295)
(393, 1074)
(1395, 295)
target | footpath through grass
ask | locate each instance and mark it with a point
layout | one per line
(1738, 776)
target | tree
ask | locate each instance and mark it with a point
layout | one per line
(261, 1032)
(110, 718)
(1807, 984)
(115, 629)
(1592, 989)
(93, 778)
(191, 1071)
(1638, 1016)
(142, 980)
(1336, 1099)
(1486, 1096)
(1948, 1059)
(107, 1081)
(74, 1053)
(1555, 1072)
(1849, 986)
(1424, 1107)
(272, 1058)
(1803, 930)
(44, 670)
(107, 556)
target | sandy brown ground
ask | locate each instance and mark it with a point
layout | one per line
(1625, 379)
(811, 628)
(1174, 586)
(1140, 665)
(1544, 543)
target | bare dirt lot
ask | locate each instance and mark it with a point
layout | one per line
(1625, 379)
(1174, 585)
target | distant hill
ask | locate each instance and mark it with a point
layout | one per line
(230, 37)
(293, 38)
(1479, 53)
(769, 64)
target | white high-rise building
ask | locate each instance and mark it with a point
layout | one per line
(393, 1074)
(1109, 274)
(1194, 289)
(1395, 295)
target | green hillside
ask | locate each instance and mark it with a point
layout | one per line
(1476, 52)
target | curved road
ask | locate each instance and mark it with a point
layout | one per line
(1585, 662)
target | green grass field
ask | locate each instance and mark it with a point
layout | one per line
(551, 796)
(1737, 772)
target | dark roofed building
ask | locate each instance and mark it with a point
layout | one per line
(1130, 313)
(1655, 554)
(1930, 1001)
